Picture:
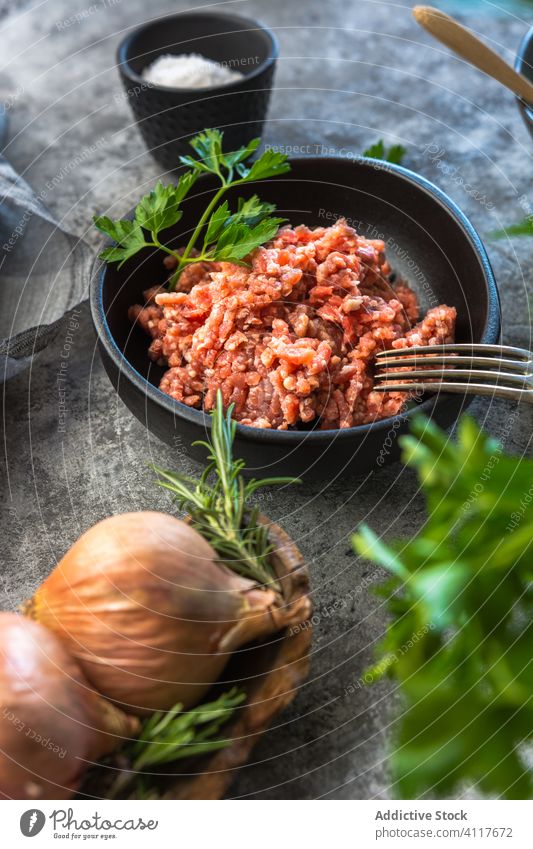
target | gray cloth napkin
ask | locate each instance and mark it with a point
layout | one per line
(44, 271)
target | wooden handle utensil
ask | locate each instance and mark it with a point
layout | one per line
(463, 42)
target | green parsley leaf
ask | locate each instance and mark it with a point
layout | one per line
(226, 235)
(208, 146)
(127, 234)
(238, 240)
(236, 226)
(269, 164)
(170, 736)
(376, 150)
(158, 210)
(461, 603)
(243, 153)
(393, 154)
(219, 217)
(396, 153)
(523, 228)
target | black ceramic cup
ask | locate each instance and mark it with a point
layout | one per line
(429, 242)
(167, 117)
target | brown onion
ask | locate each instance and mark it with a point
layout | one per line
(150, 614)
(52, 724)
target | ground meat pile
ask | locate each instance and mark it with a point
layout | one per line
(292, 338)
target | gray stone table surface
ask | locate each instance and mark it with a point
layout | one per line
(349, 73)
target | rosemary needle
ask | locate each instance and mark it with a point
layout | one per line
(222, 510)
(174, 735)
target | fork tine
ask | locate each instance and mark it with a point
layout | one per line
(458, 347)
(450, 360)
(460, 389)
(452, 375)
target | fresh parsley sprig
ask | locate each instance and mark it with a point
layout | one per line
(219, 235)
(219, 502)
(461, 601)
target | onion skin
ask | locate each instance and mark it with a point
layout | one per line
(52, 724)
(149, 613)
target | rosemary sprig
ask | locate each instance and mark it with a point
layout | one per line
(171, 736)
(221, 511)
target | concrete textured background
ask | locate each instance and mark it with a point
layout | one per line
(349, 73)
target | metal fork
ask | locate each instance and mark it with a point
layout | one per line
(468, 369)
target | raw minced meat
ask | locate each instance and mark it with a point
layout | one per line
(293, 337)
